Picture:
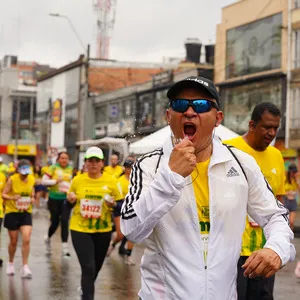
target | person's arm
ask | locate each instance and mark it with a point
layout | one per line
(272, 216)
(149, 199)
(6, 191)
(32, 196)
(48, 181)
(71, 195)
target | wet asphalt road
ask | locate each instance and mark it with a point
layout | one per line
(57, 278)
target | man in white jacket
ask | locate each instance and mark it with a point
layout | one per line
(188, 202)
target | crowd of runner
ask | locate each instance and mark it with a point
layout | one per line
(87, 203)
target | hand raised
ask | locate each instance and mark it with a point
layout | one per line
(183, 159)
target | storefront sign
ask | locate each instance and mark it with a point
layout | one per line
(26, 150)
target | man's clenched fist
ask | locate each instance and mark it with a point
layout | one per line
(183, 159)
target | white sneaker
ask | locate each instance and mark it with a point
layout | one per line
(128, 260)
(10, 269)
(26, 272)
(65, 250)
(47, 242)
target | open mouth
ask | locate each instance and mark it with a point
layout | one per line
(189, 130)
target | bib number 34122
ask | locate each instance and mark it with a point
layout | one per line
(23, 203)
(90, 208)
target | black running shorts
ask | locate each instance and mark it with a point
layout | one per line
(13, 221)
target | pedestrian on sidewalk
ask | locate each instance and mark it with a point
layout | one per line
(58, 180)
(18, 196)
(188, 203)
(92, 194)
(263, 128)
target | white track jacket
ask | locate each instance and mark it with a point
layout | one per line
(160, 210)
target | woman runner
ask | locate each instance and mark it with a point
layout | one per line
(18, 196)
(93, 194)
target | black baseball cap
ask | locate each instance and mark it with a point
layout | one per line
(194, 82)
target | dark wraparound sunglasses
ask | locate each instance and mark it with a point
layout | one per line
(198, 105)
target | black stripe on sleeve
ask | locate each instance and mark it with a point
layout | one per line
(136, 185)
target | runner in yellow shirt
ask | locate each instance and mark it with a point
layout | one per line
(92, 194)
(292, 187)
(18, 196)
(263, 127)
(114, 169)
(123, 184)
(58, 180)
(2, 183)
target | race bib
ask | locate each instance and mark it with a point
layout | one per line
(90, 208)
(23, 203)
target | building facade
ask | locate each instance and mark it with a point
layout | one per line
(18, 127)
(70, 92)
(138, 110)
(252, 55)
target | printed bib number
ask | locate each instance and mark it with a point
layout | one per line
(90, 208)
(23, 203)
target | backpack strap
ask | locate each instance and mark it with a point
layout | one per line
(230, 150)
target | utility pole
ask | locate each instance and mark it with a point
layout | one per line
(17, 127)
(83, 96)
(288, 76)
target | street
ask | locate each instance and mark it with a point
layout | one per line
(57, 278)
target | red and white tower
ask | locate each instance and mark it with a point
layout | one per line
(105, 13)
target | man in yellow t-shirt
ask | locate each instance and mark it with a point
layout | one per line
(114, 169)
(263, 127)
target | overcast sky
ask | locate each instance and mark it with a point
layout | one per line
(144, 30)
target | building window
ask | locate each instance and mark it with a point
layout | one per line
(114, 112)
(101, 114)
(145, 111)
(128, 109)
(240, 101)
(161, 104)
(254, 47)
(71, 127)
(297, 49)
(297, 3)
(295, 109)
(24, 118)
